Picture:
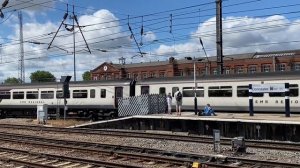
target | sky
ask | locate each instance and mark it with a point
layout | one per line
(137, 30)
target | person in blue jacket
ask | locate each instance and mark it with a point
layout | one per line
(208, 111)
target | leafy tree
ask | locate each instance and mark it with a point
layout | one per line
(12, 80)
(86, 76)
(42, 76)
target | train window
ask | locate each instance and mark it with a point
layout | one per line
(59, 94)
(47, 94)
(220, 91)
(190, 92)
(144, 89)
(294, 92)
(174, 89)
(32, 95)
(18, 95)
(103, 93)
(4, 95)
(162, 90)
(92, 93)
(243, 91)
(79, 93)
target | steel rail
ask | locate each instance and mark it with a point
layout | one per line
(110, 149)
(276, 145)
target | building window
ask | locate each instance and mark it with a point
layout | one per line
(180, 72)
(128, 75)
(297, 67)
(95, 77)
(239, 70)
(187, 71)
(266, 68)
(281, 67)
(227, 70)
(252, 69)
(144, 75)
(152, 75)
(135, 75)
(215, 71)
(161, 74)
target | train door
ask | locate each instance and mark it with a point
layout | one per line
(118, 94)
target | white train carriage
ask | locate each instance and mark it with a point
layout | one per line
(225, 93)
(228, 92)
(84, 98)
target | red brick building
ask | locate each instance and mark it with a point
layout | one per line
(233, 64)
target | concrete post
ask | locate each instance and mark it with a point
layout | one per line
(250, 100)
(287, 100)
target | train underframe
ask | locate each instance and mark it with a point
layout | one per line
(54, 113)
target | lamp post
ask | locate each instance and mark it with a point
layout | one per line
(195, 94)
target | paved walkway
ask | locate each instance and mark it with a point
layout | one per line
(243, 117)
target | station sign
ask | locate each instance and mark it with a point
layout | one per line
(268, 88)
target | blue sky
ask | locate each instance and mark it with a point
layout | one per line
(248, 26)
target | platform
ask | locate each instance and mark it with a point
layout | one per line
(259, 126)
(230, 117)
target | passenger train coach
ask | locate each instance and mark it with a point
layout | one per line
(225, 93)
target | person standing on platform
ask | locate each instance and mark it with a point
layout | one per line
(169, 102)
(178, 97)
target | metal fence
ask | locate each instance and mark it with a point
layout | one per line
(142, 105)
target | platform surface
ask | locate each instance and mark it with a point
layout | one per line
(294, 119)
(230, 117)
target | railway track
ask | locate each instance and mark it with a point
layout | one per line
(37, 160)
(158, 157)
(275, 145)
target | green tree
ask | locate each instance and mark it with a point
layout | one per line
(86, 76)
(41, 76)
(12, 80)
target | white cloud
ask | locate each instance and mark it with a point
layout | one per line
(241, 35)
(104, 34)
(29, 5)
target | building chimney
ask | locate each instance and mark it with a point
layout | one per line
(171, 59)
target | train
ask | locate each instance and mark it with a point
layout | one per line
(225, 93)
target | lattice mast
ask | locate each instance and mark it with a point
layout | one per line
(21, 67)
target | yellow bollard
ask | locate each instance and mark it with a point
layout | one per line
(196, 165)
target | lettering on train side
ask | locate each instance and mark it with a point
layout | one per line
(282, 101)
(261, 101)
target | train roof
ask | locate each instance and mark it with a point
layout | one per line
(71, 84)
(200, 79)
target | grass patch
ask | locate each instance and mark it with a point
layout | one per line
(65, 123)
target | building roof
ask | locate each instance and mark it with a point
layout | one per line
(142, 64)
(253, 55)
